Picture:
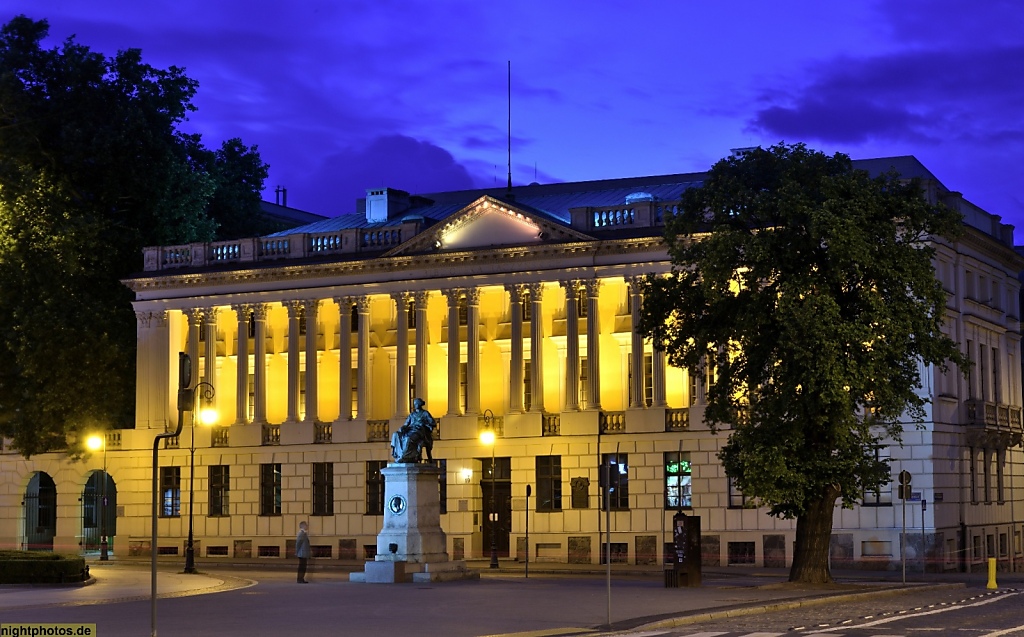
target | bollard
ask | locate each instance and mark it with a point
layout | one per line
(991, 574)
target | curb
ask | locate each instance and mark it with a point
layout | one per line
(791, 604)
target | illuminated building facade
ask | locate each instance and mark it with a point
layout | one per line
(510, 311)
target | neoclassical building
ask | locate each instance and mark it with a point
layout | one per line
(509, 310)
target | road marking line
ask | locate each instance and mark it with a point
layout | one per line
(931, 612)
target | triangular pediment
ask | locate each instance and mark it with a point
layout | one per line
(490, 223)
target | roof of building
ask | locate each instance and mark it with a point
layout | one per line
(557, 199)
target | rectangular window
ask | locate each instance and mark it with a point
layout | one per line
(883, 496)
(302, 321)
(693, 387)
(1000, 458)
(442, 483)
(982, 374)
(678, 480)
(354, 394)
(323, 488)
(972, 462)
(252, 397)
(412, 385)
(252, 325)
(220, 479)
(736, 498)
(170, 490)
(410, 316)
(375, 487)
(527, 312)
(986, 464)
(996, 394)
(354, 321)
(649, 379)
(302, 394)
(464, 387)
(581, 305)
(549, 483)
(970, 370)
(584, 382)
(463, 312)
(615, 481)
(270, 489)
(527, 385)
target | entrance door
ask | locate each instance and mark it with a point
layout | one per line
(496, 489)
(40, 513)
(99, 516)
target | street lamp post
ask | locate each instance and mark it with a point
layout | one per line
(96, 442)
(488, 436)
(206, 416)
(186, 402)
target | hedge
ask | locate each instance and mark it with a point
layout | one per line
(32, 567)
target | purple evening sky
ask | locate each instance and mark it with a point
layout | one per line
(346, 95)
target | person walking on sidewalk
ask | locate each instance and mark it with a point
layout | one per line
(302, 551)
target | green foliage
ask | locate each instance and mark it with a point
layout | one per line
(37, 567)
(810, 287)
(92, 169)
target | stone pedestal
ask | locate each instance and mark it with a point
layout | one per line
(411, 546)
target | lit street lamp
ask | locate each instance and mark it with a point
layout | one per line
(95, 443)
(207, 416)
(488, 437)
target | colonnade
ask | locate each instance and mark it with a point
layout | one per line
(525, 300)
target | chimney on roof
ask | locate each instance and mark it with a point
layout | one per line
(385, 203)
(281, 196)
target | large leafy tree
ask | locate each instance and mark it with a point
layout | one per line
(92, 168)
(809, 286)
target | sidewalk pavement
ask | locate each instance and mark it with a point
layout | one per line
(260, 597)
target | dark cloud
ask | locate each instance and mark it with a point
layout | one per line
(394, 161)
(921, 95)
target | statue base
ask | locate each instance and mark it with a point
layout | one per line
(412, 546)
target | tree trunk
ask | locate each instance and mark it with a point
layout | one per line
(813, 536)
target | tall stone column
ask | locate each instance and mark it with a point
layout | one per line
(572, 346)
(454, 353)
(593, 287)
(259, 371)
(294, 308)
(312, 415)
(363, 359)
(636, 352)
(195, 323)
(660, 399)
(536, 348)
(210, 351)
(422, 344)
(242, 360)
(344, 358)
(401, 354)
(515, 294)
(473, 351)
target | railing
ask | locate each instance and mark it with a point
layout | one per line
(610, 217)
(381, 238)
(677, 419)
(551, 425)
(275, 247)
(377, 430)
(981, 412)
(219, 437)
(325, 243)
(172, 442)
(113, 440)
(271, 435)
(612, 422)
(323, 432)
